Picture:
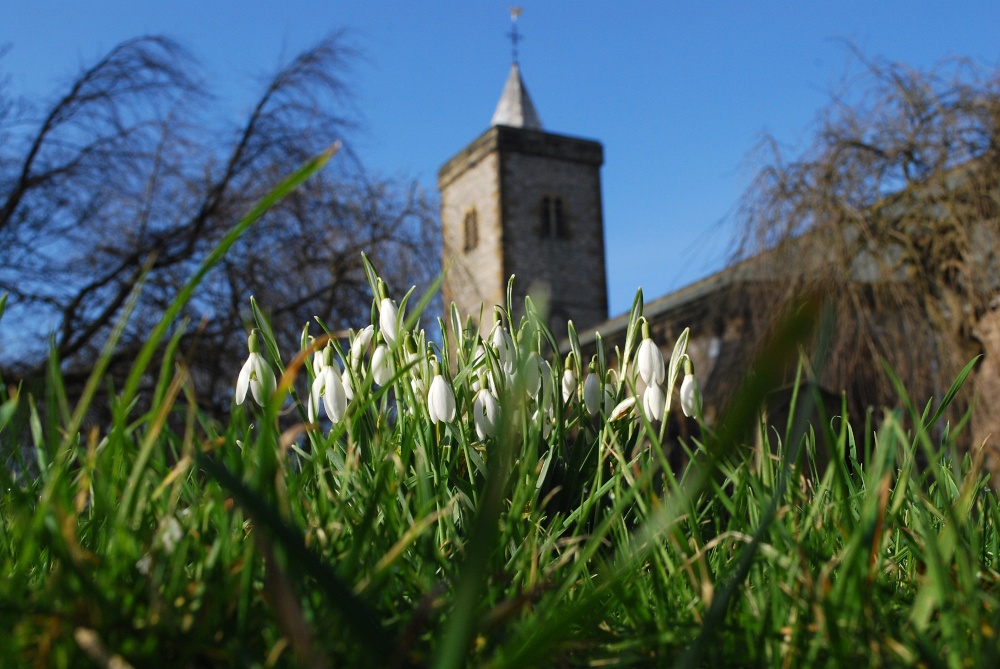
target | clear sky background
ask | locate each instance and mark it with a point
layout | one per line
(678, 92)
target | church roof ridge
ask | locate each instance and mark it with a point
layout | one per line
(515, 108)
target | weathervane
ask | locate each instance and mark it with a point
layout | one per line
(515, 37)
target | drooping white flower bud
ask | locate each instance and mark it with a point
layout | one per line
(504, 346)
(359, 344)
(345, 380)
(318, 361)
(486, 414)
(144, 564)
(256, 375)
(441, 400)
(690, 396)
(592, 391)
(170, 534)
(486, 379)
(334, 396)
(649, 359)
(410, 353)
(622, 410)
(382, 371)
(328, 388)
(478, 357)
(569, 380)
(387, 315)
(654, 402)
(546, 419)
(417, 364)
(532, 375)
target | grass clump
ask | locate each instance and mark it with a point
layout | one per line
(479, 497)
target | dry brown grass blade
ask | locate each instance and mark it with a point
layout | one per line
(287, 608)
(91, 644)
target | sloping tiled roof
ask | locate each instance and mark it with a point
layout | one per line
(743, 272)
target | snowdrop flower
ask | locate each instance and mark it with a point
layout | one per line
(690, 396)
(418, 387)
(476, 364)
(318, 360)
(170, 534)
(256, 375)
(328, 386)
(650, 359)
(622, 410)
(479, 357)
(358, 346)
(410, 353)
(569, 380)
(486, 413)
(440, 399)
(486, 379)
(387, 317)
(592, 391)
(345, 380)
(545, 372)
(546, 417)
(532, 375)
(144, 564)
(504, 346)
(417, 365)
(382, 364)
(654, 402)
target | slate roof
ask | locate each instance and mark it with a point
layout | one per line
(515, 108)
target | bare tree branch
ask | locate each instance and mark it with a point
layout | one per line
(891, 213)
(127, 165)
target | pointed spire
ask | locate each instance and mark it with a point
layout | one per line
(515, 107)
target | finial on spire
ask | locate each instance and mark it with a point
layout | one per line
(515, 37)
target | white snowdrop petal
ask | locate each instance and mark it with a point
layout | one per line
(654, 402)
(650, 362)
(690, 396)
(592, 394)
(387, 320)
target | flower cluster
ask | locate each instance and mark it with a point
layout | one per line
(653, 371)
(482, 378)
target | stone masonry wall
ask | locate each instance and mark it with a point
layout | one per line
(570, 270)
(476, 276)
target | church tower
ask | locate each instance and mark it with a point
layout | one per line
(519, 200)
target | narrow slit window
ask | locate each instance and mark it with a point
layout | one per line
(553, 219)
(471, 230)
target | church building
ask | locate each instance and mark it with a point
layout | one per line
(520, 200)
(525, 202)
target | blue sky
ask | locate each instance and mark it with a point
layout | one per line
(678, 92)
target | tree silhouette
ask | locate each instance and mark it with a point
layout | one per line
(891, 214)
(129, 170)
